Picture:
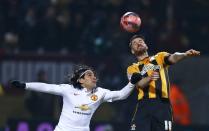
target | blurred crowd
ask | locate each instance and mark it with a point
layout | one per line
(91, 27)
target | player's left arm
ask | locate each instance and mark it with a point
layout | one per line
(120, 94)
(125, 91)
(177, 56)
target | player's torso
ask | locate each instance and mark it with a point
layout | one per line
(79, 106)
(155, 89)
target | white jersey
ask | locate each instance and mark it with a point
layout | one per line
(79, 105)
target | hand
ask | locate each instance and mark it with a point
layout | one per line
(18, 84)
(192, 52)
(154, 76)
(144, 82)
(135, 78)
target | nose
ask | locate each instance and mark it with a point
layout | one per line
(140, 43)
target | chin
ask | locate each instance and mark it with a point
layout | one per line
(93, 85)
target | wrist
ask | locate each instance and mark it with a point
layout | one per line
(18, 84)
(135, 78)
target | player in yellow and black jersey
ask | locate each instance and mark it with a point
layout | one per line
(153, 110)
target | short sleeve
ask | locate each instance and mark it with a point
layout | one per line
(161, 57)
(132, 69)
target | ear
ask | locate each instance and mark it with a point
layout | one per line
(81, 80)
(132, 51)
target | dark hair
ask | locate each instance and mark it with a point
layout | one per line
(77, 74)
(134, 37)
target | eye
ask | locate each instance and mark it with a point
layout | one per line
(134, 43)
(89, 74)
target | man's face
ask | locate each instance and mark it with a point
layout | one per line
(138, 46)
(89, 80)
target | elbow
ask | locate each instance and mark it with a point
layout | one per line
(172, 61)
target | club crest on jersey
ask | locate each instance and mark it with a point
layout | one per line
(94, 97)
(83, 107)
(148, 67)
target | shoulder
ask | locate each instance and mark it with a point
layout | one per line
(102, 90)
(162, 54)
(67, 87)
(161, 57)
(133, 68)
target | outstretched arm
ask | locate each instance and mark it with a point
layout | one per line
(119, 95)
(125, 91)
(176, 57)
(40, 87)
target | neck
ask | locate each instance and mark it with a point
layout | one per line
(142, 56)
(88, 89)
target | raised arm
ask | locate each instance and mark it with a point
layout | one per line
(40, 87)
(176, 57)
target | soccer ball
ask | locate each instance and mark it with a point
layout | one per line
(130, 22)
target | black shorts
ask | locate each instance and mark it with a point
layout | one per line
(152, 115)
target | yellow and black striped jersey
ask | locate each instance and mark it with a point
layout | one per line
(155, 89)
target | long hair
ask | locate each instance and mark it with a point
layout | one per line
(78, 72)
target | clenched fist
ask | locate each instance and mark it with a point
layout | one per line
(192, 52)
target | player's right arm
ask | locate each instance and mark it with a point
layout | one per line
(40, 87)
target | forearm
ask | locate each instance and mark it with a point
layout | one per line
(43, 87)
(121, 94)
(125, 91)
(144, 82)
(176, 57)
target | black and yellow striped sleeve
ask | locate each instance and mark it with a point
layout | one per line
(132, 69)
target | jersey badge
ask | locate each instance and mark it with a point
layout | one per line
(94, 97)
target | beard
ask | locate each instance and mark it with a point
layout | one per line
(141, 51)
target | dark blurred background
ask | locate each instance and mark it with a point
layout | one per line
(41, 40)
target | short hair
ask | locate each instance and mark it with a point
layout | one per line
(134, 37)
(78, 72)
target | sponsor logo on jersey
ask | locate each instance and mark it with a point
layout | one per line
(81, 113)
(148, 67)
(83, 107)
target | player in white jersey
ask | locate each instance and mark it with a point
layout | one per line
(80, 98)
